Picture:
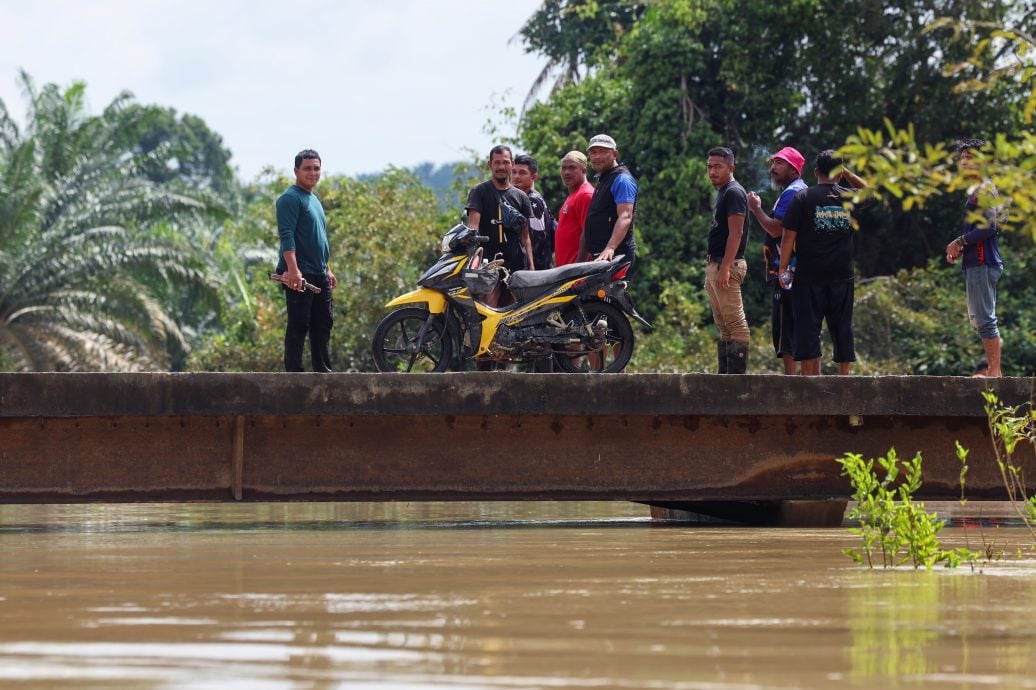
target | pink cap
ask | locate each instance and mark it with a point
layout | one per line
(792, 157)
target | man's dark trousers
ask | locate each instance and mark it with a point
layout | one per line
(312, 314)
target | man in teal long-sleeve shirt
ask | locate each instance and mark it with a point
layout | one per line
(303, 258)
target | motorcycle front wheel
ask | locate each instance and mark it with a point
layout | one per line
(618, 346)
(396, 346)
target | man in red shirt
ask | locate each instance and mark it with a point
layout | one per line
(572, 215)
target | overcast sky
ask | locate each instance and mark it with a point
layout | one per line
(368, 83)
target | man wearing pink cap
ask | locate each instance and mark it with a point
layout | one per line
(785, 176)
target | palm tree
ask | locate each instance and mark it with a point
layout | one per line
(575, 36)
(88, 243)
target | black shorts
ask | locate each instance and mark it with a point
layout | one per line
(782, 321)
(812, 305)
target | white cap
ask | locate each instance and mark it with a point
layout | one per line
(604, 141)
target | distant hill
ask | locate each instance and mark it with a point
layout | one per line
(441, 179)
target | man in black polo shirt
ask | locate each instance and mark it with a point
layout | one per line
(726, 266)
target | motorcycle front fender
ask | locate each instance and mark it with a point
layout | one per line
(435, 300)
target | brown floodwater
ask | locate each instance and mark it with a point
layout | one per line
(484, 595)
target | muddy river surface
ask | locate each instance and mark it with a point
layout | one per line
(489, 595)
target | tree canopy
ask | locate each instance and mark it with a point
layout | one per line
(177, 148)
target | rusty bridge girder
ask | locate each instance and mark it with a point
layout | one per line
(662, 439)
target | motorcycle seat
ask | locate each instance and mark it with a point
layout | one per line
(551, 276)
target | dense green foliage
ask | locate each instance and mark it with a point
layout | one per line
(917, 174)
(690, 74)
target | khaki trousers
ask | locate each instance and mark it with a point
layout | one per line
(728, 310)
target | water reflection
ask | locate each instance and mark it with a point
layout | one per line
(102, 517)
(894, 623)
(978, 629)
(481, 596)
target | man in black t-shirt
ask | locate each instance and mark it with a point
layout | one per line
(501, 211)
(818, 230)
(726, 266)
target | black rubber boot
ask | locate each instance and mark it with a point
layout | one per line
(721, 355)
(737, 358)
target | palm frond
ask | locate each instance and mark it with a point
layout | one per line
(10, 135)
(94, 255)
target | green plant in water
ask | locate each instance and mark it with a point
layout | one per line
(891, 522)
(989, 547)
(962, 455)
(1009, 426)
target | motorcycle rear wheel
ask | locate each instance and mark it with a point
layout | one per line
(396, 348)
(618, 347)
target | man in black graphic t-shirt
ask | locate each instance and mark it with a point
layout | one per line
(818, 230)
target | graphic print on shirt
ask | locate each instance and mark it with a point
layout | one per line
(832, 219)
(538, 221)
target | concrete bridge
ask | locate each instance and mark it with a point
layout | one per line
(746, 447)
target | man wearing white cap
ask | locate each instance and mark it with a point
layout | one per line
(609, 221)
(785, 176)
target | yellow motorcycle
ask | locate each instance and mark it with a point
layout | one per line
(576, 315)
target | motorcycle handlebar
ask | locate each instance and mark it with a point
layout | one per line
(482, 239)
